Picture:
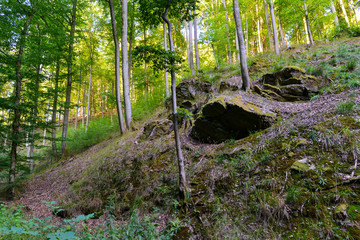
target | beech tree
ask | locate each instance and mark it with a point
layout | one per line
(243, 60)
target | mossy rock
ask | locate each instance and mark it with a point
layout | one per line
(300, 167)
(291, 83)
(233, 83)
(157, 129)
(229, 118)
(191, 90)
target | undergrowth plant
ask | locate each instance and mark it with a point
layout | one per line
(14, 225)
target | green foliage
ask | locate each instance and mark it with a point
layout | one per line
(14, 225)
(98, 131)
(159, 58)
(345, 107)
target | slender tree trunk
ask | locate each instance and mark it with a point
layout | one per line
(69, 80)
(89, 93)
(191, 49)
(237, 47)
(243, 61)
(54, 108)
(215, 57)
(333, 9)
(355, 10)
(275, 34)
(17, 109)
(282, 34)
(268, 25)
(167, 92)
(117, 68)
(308, 24)
(187, 43)
(196, 44)
(146, 88)
(227, 34)
(125, 66)
(258, 29)
(183, 186)
(344, 12)
(78, 102)
(247, 32)
(47, 116)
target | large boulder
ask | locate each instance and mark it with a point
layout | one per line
(289, 84)
(229, 118)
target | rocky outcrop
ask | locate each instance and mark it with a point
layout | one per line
(192, 93)
(289, 84)
(229, 118)
(157, 129)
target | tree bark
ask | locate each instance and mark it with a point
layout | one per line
(125, 66)
(183, 186)
(333, 9)
(167, 92)
(191, 50)
(196, 44)
(227, 34)
(282, 34)
(344, 12)
(54, 108)
(243, 61)
(308, 24)
(89, 91)
(259, 29)
(69, 80)
(17, 109)
(268, 25)
(78, 103)
(146, 88)
(117, 68)
(275, 34)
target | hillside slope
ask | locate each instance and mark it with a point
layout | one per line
(296, 177)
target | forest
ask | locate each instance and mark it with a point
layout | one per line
(179, 119)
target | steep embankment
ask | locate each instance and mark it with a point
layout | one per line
(290, 174)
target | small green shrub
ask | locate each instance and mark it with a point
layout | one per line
(345, 107)
(351, 65)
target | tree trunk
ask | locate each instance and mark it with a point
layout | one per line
(191, 50)
(247, 32)
(275, 34)
(355, 10)
(146, 88)
(47, 115)
(268, 25)
(17, 109)
(308, 24)
(258, 29)
(89, 91)
(167, 92)
(237, 47)
(54, 108)
(196, 44)
(227, 34)
(117, 68)
(69, 80)
(183, 186)
(243, 61)
(214, 52)
(125, 66)
(78, 102)
(333, 9)
(344, 12)
(282, 34)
